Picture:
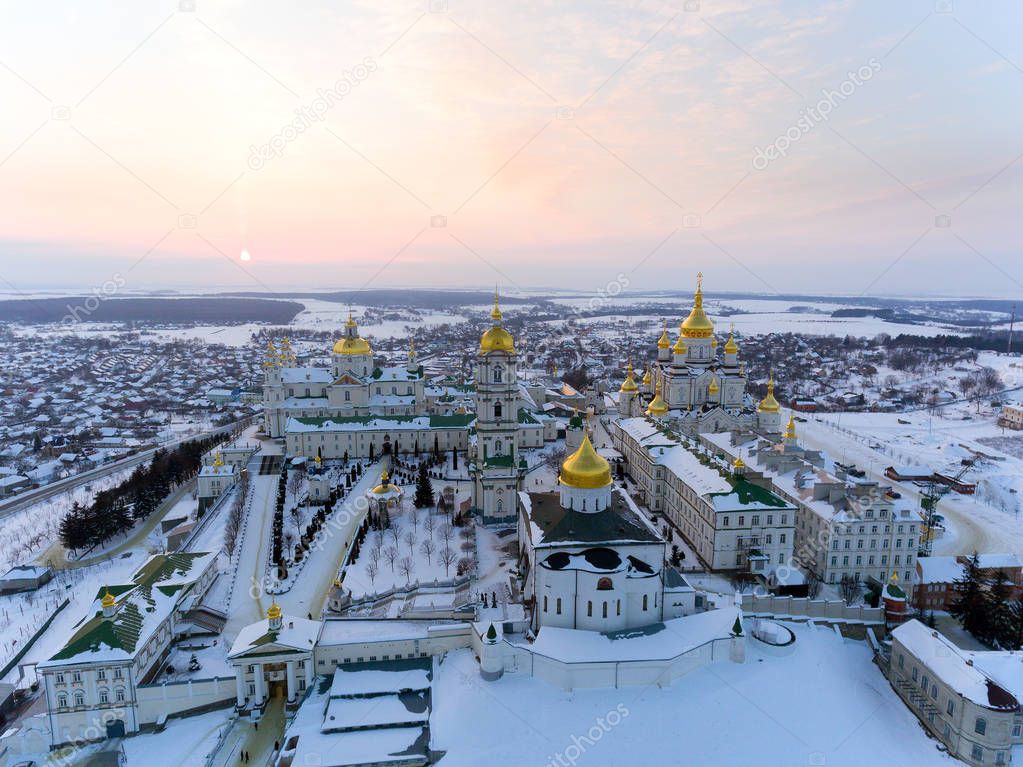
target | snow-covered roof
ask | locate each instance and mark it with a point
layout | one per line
(371, 681)
(295, 634)
(957, 669)
(657, 642)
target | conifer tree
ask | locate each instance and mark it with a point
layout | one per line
(970, 606)
(424, 489)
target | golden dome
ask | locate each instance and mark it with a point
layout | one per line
(730, 346)
(698, 324)
(585, 469)
(769, 404)
(351, 343)
(664, 342)
(713, 387)
(680, 344)
(385, 485)
(738, 463)
(497, 339)
(629, 384)
(657, 407)
(108, 600)
(274, 613)
(790, 430)
(646, 377)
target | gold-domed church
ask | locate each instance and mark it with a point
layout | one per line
(592, 561)
(695, 387)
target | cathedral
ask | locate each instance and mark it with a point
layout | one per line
(357, 409)
(695, 388)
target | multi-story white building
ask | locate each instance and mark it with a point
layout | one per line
(846, 527)
(92, 683)
(730, 522)
(969, 701)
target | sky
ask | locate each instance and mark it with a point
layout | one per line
(819, 147)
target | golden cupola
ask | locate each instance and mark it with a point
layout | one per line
(108, 601)
(647, 378)
(351, 343)
(769, 404)
(790, 429)
(585, 468)
(497, 339)
(680, 344)
(629, 384)
(274, 613)
(664, 341)
(657, 407)
(730, 346)
(713, 387)
(698, 324)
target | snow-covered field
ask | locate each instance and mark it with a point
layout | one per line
(825, 704)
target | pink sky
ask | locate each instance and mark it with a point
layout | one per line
(563, 143)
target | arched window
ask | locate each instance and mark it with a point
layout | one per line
(119, 694)
(605, 584)
(497, 410)
(618, 607)
(644, 602)
(498, 448)
(62, 701)
(545, 603)
(981, 725)
(605, 609)
(104, 695)
(79, 698)
(500, 505)
(557, 606)
(498, 374)
(589, 609)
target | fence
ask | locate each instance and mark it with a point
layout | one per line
(820, 609)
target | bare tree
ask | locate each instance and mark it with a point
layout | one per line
(296, 480)
(406, 567)
(391, 554)
(850, 589)
(410, 539)
(395, 532)
(428, 547)
(429, 525)
(447, 533)
(813, 585)
(447, 557)
(371, 571)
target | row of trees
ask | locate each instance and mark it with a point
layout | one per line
(117, 509)
(986, 609)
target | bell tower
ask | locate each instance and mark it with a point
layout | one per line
(496, 466)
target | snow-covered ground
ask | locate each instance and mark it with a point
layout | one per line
(825, 704)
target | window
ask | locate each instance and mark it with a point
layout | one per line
(497, 410)
(498, 374)
(999, 757)
(951, 707)
(557, 605)
(104, 696)
(1017, 730)
(980, 726)
(76, 676)
(79, 698)
(977, 753)
(62, 701)
(605, 609)
(60, 679)
(784, 519)
(934, 692)
(924, 682)
(118, 673)
(644, 601)
(604, 584)
(756, 520)
(834, 561)
(101, 674)
(770, 519)
(545, 604)
(589, 609)
(726, 521)
(781, 538)
(742, 520)
(915, 674)
(119, 694)
(618, 607)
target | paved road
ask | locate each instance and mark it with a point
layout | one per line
(967, 534)
(23, 500)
